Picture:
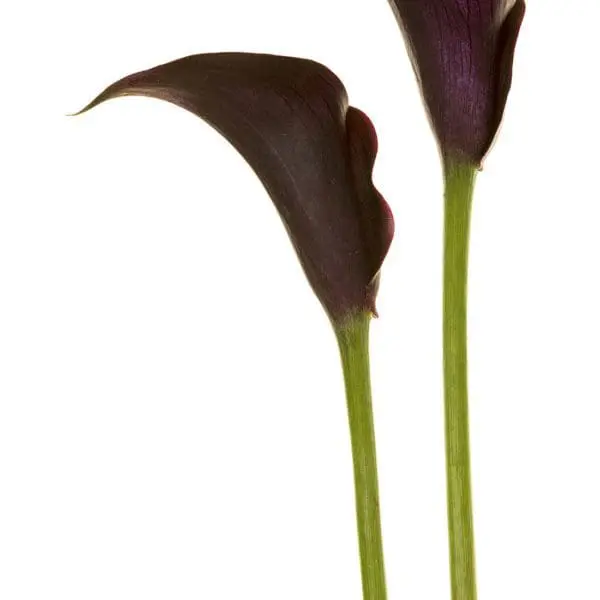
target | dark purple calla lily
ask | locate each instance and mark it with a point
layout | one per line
(462, 52)
(290, 120)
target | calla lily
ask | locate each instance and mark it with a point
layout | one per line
(462, 53)
(290, 120)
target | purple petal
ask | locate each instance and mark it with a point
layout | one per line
(289, 118)
(375, 213)
(462, 52)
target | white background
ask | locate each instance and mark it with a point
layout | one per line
(172, 418)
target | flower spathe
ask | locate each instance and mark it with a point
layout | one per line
(290, 120)
(462, 53)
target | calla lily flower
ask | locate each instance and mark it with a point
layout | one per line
(290, 120)
(462, 53)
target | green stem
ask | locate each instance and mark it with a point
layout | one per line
(353, 339)
(460, 180)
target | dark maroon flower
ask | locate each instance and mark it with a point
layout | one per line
(462, 52)
(290, 120)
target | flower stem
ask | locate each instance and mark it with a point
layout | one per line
(353, 339)
(460, 180)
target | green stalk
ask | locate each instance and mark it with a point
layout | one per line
(353, 340)
(460, 180)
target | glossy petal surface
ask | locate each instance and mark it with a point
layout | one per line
(290, 120)
(462, 52)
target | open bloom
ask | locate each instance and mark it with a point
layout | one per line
(290, 120)
(462, 52)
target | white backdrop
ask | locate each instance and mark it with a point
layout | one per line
(172, 417)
